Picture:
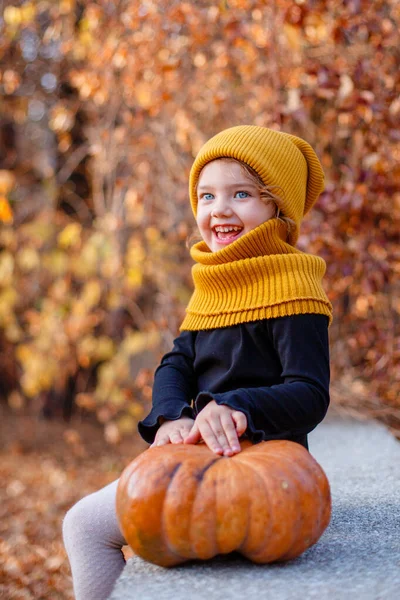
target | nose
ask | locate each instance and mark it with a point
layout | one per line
(221, 207)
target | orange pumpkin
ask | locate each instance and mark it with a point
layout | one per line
(180, 502)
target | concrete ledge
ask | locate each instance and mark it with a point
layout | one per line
(357, 557)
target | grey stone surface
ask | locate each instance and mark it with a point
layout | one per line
(358, 555)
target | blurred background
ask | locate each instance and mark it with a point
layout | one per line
(103, 107)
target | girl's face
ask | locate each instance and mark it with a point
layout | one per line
(227, 197)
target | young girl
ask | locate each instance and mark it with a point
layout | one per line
(252, 358)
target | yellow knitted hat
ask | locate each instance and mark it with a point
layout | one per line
(280, 159)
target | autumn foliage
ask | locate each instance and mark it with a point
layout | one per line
(104, 106)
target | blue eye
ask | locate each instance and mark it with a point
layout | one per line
(204, 196)
(246, 194)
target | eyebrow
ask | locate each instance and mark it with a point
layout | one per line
(233, 185)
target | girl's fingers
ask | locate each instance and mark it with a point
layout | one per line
(193, 436)
(225, 432)
(162, 441)
(185, 431)
(240, 421)
(220, 432)
(176, 437)
(231, 435)
(172, 432)
(213, 436)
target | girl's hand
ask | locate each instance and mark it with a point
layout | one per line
(173, 432)
(220, 427)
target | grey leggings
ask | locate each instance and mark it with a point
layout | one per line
(93, 542)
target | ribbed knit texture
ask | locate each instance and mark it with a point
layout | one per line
(258, 276)
(284, 161)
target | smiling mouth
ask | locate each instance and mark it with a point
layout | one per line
(226, 236)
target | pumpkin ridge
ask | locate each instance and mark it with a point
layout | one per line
(199, 475)
(149, 546)
(131, 468)
(164, 535)
(231, 504)
(298, 484)
(279, 445)
(252, 503)
(164, 540)
(315, 479)
(272, 479)
(184, 501)
(314, 472)
(193, 535)
(321, 507)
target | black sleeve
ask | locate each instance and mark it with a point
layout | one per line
(174, 386)
(295, 406)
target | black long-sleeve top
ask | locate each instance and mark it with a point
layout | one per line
(275, 371)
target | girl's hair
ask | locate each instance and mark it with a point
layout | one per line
(267, 195)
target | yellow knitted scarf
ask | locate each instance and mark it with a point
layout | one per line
(258, 276)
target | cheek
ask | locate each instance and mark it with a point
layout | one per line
(202, 220)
